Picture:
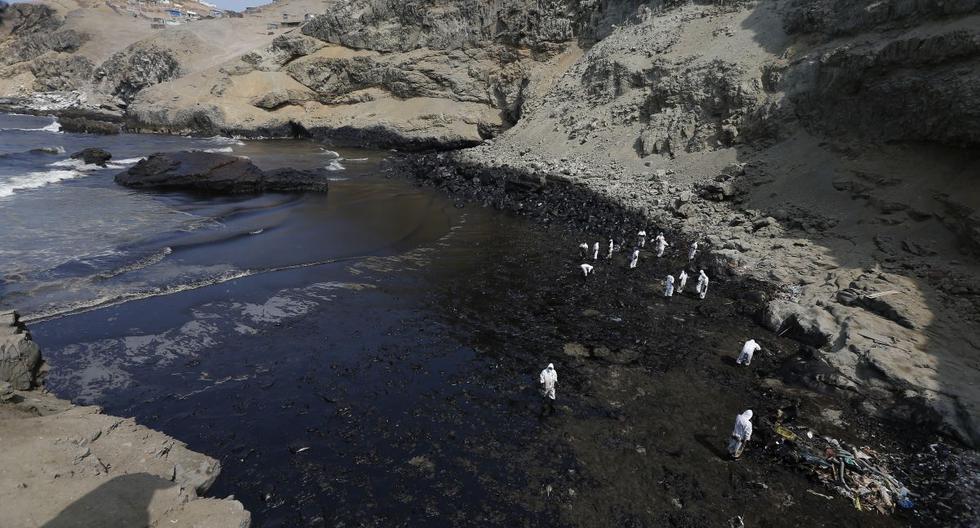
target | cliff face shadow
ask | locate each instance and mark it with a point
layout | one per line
(874, 184)
(121, 502)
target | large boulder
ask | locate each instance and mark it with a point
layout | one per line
(809, 324)
(218, 173)
(20, 357)
(93, 156)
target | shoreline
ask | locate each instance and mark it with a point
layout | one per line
(537, 191)
(68, 465)
(554, 198)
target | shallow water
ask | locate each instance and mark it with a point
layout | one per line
(298, 338)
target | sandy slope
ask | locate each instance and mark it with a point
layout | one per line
(814, 213)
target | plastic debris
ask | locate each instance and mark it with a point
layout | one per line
(856, 474)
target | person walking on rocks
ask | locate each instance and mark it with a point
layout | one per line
(660, 243)
(643, 238)
(702, 285)
(583, 249)
(586, 270)
(595, 251)
(635, 258)
(682, 281)
(611, 247)
(741, 434)
(693, 251)
(669, 291)
(548, 379)
(748, 349)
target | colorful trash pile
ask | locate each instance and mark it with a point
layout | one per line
(858, 474)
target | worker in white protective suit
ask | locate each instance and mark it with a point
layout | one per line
(660, 244)
(548, 379)
(583, 249)
(681, 281)
(741, 434)
(643, 238)
(586, 270)
(635, 258)
(611, 247)
(748, 349)
(702, 285)
(693, 251)
(669, 290)
(595, 251)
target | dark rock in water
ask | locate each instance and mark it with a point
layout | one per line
(218, 173)
(46, 150)
(93, 156)
(20, 357)
(84, 125)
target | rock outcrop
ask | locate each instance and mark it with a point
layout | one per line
(66, 465)
(216, 173)
(20, 357)
(138, 66)
(93, 156)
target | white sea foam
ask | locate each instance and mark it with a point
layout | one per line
(144, 262)
(226, 140)
(33, 180)
(74, 164)
(217, 150)
(127, 161)
(331, 153)
(335, 165)
(54, 127)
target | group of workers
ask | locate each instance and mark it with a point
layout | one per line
(742, 432)
(660, 245)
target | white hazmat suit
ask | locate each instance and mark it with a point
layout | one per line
(741, 434)
(595, 251)
(643, 238)
(611, 247)
(549, 377)
(702, 285)
(683, 281)
(635, 258)
(583, 249)
(586, 269)
(693, 251)
(669, 290)
(660, 243)
(750, 347)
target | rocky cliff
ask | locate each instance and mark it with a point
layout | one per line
(825, 147)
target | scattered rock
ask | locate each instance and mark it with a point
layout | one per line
(20, 357)
(93, 156)
(575, 350)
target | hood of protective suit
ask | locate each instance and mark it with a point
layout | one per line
(551, 366)
(747, 414)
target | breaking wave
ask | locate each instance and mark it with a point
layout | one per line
(217, 150)
(144, 262)
(33, 180)
(54, 127)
